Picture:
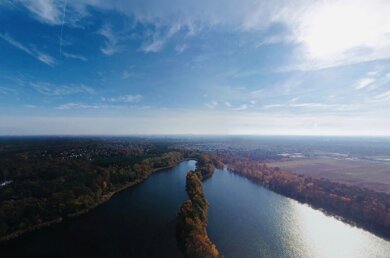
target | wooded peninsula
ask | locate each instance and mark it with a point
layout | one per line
(192, 216)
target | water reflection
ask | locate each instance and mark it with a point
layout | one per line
(325, 236)
(246, 220)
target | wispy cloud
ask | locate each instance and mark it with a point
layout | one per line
(43, 57)
(181, 48)
(128, 73)
(125, 98)
(275, 39)
(384, 96)
(373, 80)
(240, 108)
(364, 83)
(274, 106)
(72, 105)
(111, 45)
(29, 106)
(324, 33)
(212, 104)
(312, 106)
(47, 11)
(50, 89)
(77, 106)
(153, 46)
(245, 73)
(6, 91)
(74, 56)
(159, 38)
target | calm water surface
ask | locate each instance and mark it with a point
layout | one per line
(245, 220)
(138, 222)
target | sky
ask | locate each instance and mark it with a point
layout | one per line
(96, 67)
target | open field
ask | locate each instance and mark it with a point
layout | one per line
(373, 175)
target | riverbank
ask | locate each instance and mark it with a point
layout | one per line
(103, 199)
(356, 206)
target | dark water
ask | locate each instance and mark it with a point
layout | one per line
(138, 222)
(247, 220)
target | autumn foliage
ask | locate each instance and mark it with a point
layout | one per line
(360, 206)
(192, 221)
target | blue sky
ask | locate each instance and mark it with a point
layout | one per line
(195, 67)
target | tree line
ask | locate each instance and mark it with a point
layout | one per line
(48, 188)
(356, 205)
(192, 215)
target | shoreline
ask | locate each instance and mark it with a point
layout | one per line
(330, 213)
(103, 199)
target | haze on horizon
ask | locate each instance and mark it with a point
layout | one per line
(199, 67)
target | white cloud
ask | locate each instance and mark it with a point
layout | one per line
(111, 45)
(313, 106)
(6, 91)
(384, 96)
(257, 93)
(74, 56)
(364, 82)
(48, 11)
(43, 57)
(373, 73)
(275, 39)
(76, 106)
(374, 80)
(327, 33)
(159, 38)
(273, 106)
(125, 98)
(72, 105)
(154, 46)
(29, 106)
(50, 89)
(181, 48)
(240, 108)
(127, 73)
(212, 104)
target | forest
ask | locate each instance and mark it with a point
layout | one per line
(356, 205)
(192, 216)
(57, 178)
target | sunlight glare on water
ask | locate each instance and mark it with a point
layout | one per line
(325, 236)
(248, 220)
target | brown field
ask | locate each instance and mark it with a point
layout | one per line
(373, 175)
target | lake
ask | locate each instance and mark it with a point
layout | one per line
(137, 222)
(248, 220)
(245, 220)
